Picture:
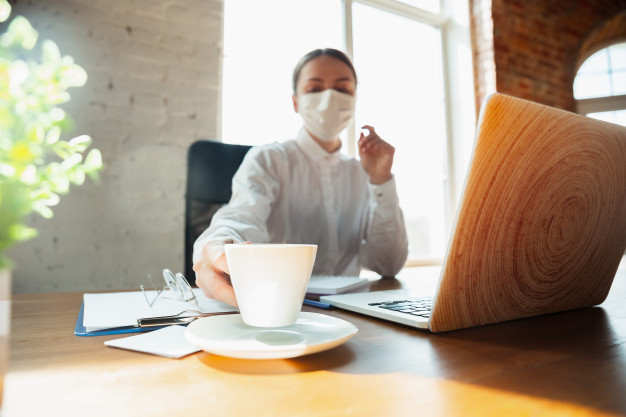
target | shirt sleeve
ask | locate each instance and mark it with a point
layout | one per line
(384, 243)
(254, 189)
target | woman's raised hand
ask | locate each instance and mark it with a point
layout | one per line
(376, 156)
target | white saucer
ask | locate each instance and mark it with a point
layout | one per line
(227, 335)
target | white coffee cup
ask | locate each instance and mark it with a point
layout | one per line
(270, 280)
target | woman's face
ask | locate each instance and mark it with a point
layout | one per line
(322, 73)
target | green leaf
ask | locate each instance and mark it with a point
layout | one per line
(50, 51)
(93, 162)
(77, 176)
(46, 197)
(29, 175)
(43, 210)
(52, 200)
(20, 232)
(70, 162)
(53, 135)
(80, 143)
(74, 76)
(35, 133)
(57, 114)
(62, 149)
(22, 32)
(95, 177)
(60, 184)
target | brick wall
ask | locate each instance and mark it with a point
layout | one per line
(536, 46)
(153, 88)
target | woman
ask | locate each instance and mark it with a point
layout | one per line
(305, 191)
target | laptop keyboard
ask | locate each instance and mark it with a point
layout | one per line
(414, 306)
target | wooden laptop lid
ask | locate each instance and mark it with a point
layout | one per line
(542, 223)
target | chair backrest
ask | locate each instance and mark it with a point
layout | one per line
(210, 169)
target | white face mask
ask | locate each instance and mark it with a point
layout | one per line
(327, 113)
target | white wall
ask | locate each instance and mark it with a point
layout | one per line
(153, 88)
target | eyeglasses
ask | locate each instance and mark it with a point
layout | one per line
(176, 288)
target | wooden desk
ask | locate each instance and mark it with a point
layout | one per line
(567, 364)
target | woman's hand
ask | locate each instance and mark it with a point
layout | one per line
(212, 274)
(376, 156)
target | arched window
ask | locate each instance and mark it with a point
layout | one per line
(600, 85)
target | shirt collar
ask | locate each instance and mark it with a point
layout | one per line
(313, 149)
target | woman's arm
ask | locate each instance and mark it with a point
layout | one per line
(255, 187)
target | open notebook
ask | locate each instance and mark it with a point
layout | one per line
(541, 226)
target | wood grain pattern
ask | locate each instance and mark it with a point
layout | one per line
(542, 224)
(568, 364)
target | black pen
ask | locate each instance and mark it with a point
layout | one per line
(319, 304)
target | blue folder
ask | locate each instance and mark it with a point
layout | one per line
(79, 329)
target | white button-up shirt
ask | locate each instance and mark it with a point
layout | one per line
(296, 192)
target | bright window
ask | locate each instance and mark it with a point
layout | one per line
(415, 87)
(616, 116)
(600, 85)
(416, 125)
(263, 41)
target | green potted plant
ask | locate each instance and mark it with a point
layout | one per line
(36, 164)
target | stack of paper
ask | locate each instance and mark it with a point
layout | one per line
(328, 284)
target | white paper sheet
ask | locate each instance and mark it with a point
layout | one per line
(119, 309)
(169, 342)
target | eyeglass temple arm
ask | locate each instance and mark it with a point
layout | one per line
(171, 320)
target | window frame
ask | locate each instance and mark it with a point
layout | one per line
(443, 21)
(601, 104)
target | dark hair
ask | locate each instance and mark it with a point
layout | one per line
(333, 53)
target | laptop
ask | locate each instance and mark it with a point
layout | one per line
(541, 225)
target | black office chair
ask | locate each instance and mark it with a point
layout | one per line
(210, 169)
